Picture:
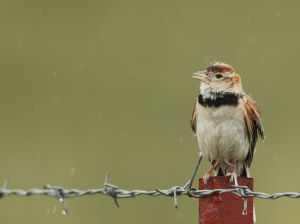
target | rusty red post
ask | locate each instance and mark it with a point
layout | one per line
(224, 208)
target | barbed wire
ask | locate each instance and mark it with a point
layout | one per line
(114, 192)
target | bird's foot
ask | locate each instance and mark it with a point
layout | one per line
(206, 177)
(231, 176)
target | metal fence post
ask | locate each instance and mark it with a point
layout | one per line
(224, 208)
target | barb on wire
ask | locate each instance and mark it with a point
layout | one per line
(59, 193)
(4, 187)
(114, 192)
(111, 190)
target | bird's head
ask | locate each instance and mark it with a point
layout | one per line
(218, 79)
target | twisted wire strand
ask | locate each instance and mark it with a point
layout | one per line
(114, 192)
(129, 194)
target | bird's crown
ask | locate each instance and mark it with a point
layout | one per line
(219, 67)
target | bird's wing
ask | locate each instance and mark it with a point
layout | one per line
(193, 126)
(253, 126)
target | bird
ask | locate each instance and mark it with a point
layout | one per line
(226, 121)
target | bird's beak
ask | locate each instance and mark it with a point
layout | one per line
(201, 75)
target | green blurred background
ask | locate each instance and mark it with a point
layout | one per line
(93, 86)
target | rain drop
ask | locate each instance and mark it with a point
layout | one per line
(72, 171)
(180, 139)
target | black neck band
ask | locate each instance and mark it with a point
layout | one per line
(220, 99)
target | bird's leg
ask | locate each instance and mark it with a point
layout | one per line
(233, 173)
(208, 173)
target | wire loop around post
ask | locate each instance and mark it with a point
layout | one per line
(190, 182)
(240, 190)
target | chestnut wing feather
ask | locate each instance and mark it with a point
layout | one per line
(253, 126)
(193, 126)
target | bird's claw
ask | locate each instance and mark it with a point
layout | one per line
(206, 177)
(231, 176)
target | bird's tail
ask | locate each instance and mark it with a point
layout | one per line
(245, 172)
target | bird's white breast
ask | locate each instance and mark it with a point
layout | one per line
(221, 135)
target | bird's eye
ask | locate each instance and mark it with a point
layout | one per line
(219, 76)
